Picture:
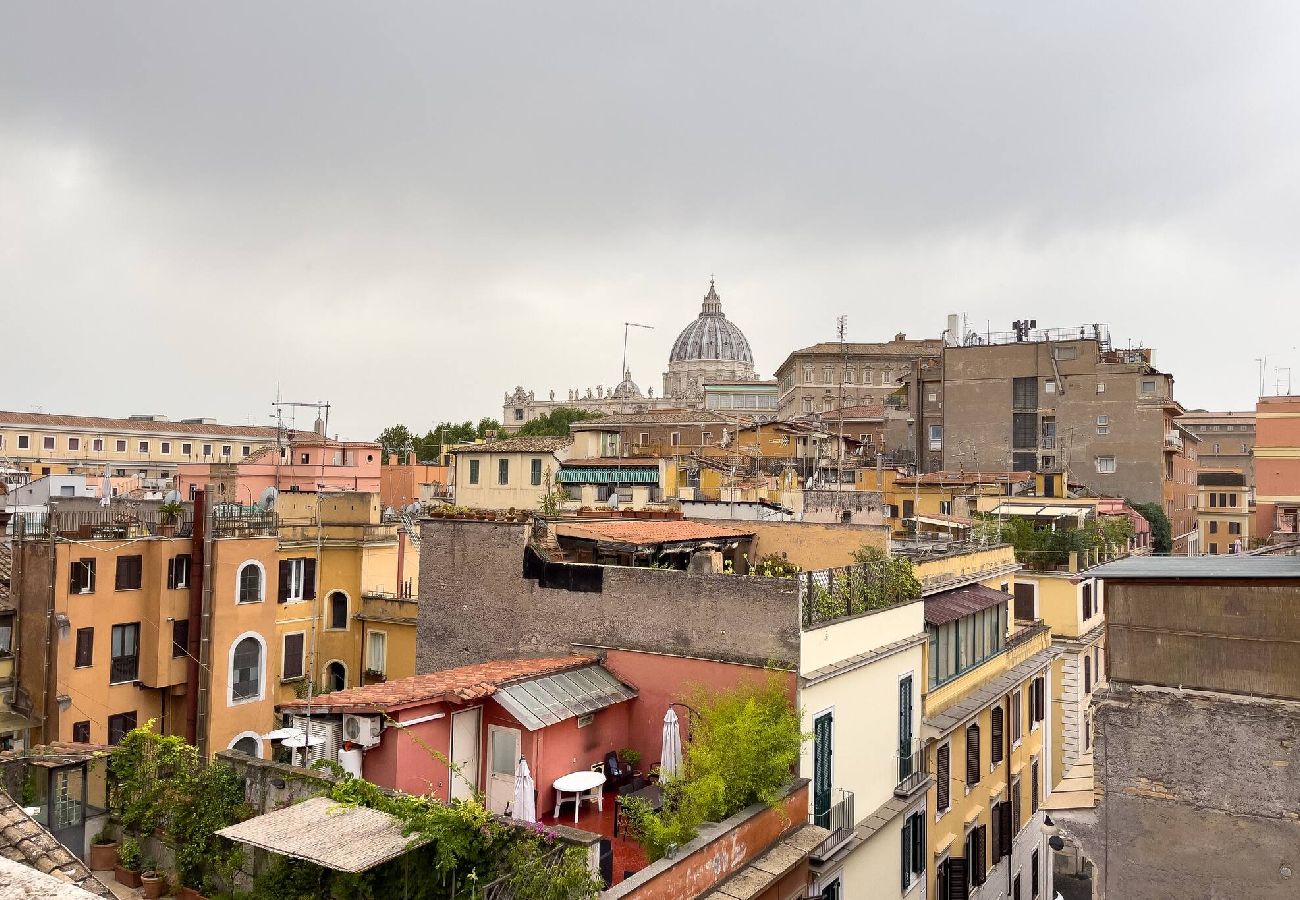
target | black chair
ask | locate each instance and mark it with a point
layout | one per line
(617, 773)
(606, 861)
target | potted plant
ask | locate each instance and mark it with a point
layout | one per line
(653, 774)
(152, 882)
(127, 870)
(103, 851)
(631, 757)
(168, 515)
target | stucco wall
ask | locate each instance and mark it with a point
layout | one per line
(811, 545)
(1198, 795)
(476, 605)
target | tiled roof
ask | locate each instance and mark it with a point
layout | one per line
(949, 606)
(23, 840)
(460, 684)
(924, 346)
(1173, 567)
(649, 531)
(661, 417)
(613, 461)
(515, 445)
(990, 692)
(968, 478)
(101, 423)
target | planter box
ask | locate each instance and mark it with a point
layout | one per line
(153, 888)
(103, 857)
(126, 877)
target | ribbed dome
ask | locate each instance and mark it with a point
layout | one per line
(627, 389)
(711, 336)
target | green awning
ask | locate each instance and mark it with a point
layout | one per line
(609, 475)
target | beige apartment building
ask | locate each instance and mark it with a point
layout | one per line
(144, 446)
(1227, 440)
(1223, 512)
(822, 377)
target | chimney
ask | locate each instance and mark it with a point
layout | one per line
(320, 426)
(900, 336)
(392, 459)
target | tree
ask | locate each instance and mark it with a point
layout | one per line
(396, 439)
(1162, 533)
(556, 422)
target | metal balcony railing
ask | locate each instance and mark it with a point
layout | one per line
(840, 821)
(912, 772)
(123, 669)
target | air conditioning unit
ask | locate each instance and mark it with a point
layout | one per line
(361, 730)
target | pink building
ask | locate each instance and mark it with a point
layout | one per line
(307, 462)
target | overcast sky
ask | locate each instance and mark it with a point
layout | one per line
(408, 209)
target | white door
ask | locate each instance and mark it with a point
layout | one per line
(465, 742)
(503, 755)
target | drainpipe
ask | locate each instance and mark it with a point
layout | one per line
(198, 565)
(205, 631)
(401, 558)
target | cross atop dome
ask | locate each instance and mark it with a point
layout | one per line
(712, 305)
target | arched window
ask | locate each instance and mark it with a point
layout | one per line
(336, 676)
(1087, 674)
(250, 583)
(338, 610)
(247, 743)
(246, 660)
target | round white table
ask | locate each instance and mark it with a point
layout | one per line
(580, 784)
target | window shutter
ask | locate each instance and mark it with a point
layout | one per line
(979, 867)
(1033, 787)
(941, 777)
(309, 579)
(918, 844)
(286, 571)
(74, 577)
(1005, 829)
(171, 572)
(1087, 674)
(995, 820)
(907, 853)
(995, 737)
(1015, 806)
(1038, 697)
(958, 879)
(120, 574)
(973, 754)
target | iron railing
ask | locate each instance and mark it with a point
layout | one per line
(840, 821)
(912, 771)
(830, 594)
(123, 669)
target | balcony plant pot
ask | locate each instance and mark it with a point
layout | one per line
(103, 856)
(128, 877)
(152, 885)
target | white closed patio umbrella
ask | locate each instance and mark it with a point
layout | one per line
(106, 488)
(670, 759)
(525, 802)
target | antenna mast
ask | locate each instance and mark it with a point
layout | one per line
(841, 328)
(626, 326)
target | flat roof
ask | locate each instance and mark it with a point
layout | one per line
(1163, 567)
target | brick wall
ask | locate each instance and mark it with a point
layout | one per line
(476, 605)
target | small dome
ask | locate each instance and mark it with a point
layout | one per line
(712, 336)
(627, 389)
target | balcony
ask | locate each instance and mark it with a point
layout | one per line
(1174, 441)
(912, 772)
(840, 821)
(124, 669)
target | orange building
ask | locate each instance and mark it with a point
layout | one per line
(404, 483)
(304, 461)
(1277, 468)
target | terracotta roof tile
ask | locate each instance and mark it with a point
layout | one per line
(663, 417)
(515, 445)
(647, 461)
(949, 606)
(649, 531)
(102, 423)
(30, 844)
(969, 478)
(459, 684)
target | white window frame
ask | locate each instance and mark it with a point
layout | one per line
(1017, 723)
(284, 658)
(325, 670)
(120, 445)
(230, 671)
(239, 575)
(247, 734)
(74, 444)
(142, 447)
(225, 449)
(24, 442)
(382, 669)
(297, 580)
(1106, 471)
(165, 447)
(49, 442)
(97, 445)
(187, 448)
(207, 449)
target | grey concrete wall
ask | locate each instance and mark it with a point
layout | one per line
(1199, 796)
(1235, 636)
(476, 605)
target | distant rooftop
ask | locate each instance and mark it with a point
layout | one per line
(643, 532)
(966, 478)
(103, 423)
(1175, 567)
(515, 445)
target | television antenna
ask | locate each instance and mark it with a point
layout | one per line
(626, 326)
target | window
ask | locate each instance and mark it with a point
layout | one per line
(932, 397)
(996, 736)
(807, 404)
(1049, 386)
(1024, 431)
(941, 778)
(119, 725)
(187, 449)
(1232, 501)
(85, 648)
(1038, 699)
(1087, 601)
(125, 664)
(1103, 424)
(822, 771)
(973, 772)
(293, 656)
(675, 438)
(1024, 393)
(24, 442)
(807, 374)
(535, 472)
(706, 438)
(246, 669)
(1101, 387)
(180, 638)
(975, 858)
(336, 676)
(1033, 874)
(473, 471)
(207, 449)
(913, 848)
(143, 447)
(377, 652)
(1106, 465)
(97, 445)
(247, 745)
(338, 610)
(82, 578)
(129, 572)
(1087, 674)
(1214, 500)
(225, 449)
(643, 438)
(81, 732)
(249, 583)
(304, 458)
(245, 450)
(1234, 528)
(1015, 805)
(503, 471)
(1148, 388)
(1015, 888)
(165, 447)
(1214, 527)
(828, 374)
(74, 443)
(297, 580)
(47, 442)
(1214, 549)
(178, 571)
(936, 437)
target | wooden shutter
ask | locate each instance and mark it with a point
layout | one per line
(120, 574)
(973, 754)
(1024, 604)
(1015, 806)
(995, 846)
(1006, 829)
(1087, 674)
(822, 736)
(171, 572)
(979, 865)
(941, 777)
(1038, 697)
(918, 843)
(85, 647)
(958, 879)
(1033, 874)
(286, 571)
(309, 579)
(1033, 787)
(995, 735)
(76, 574)
(907, 853)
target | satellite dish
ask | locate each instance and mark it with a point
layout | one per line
(172, 496)
(266, 499)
